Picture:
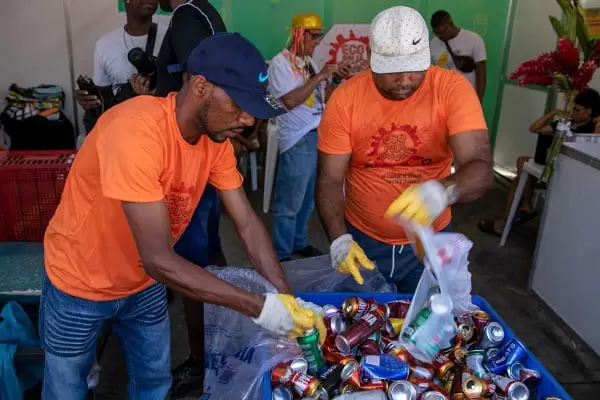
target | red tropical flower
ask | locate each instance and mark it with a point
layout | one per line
(582, 78)
(566, 56)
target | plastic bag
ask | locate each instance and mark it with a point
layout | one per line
(316, 275)
(428, 327)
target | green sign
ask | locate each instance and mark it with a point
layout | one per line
(121, 8)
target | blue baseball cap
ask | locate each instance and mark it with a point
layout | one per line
(232, 63)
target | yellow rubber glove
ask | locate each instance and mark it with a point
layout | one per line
(421, 203)
(318, 318)
(347, 257)
(282, 315)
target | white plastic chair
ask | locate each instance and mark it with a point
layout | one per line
(529, 168)
(271, 162)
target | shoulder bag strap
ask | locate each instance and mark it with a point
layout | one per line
(151, 39)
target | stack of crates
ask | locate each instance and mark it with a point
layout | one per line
(31, 184)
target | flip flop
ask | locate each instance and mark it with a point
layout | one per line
(522, 217)
(487, 226)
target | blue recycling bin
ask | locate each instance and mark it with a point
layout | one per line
(548, 386)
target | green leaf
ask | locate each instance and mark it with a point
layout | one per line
(571, 25)
(584, 42)
(558, 26)
(563, 82)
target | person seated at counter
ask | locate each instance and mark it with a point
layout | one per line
(585, 118)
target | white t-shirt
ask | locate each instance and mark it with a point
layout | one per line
(466, 43)
(111, 66)
(296, 123)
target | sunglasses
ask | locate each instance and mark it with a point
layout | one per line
(315, 35)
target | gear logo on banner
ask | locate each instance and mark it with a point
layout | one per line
(345, 43)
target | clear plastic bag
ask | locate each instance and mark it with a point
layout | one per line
(446, 272)
(316, 275)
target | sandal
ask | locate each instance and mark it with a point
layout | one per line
(487, 226)
(522, 217)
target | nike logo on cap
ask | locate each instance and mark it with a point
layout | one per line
(262, 78)
(416, 42)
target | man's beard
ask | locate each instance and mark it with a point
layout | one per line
(407, 91)
(202, 124)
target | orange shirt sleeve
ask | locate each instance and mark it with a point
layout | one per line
(224, 174)
(461, 106)
(334, 129)
(130, 158)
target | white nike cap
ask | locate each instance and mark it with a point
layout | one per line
(399, 41)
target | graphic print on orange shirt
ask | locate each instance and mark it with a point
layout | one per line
(180, 205)
(396, 145)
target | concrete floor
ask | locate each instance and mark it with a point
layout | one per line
(499, 275)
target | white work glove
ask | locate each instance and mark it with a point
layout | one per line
(347, 257)
(421, 203)
(282, 315)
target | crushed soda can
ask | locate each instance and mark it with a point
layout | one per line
(512, 389)
(475, 362)
(420, 371)
(399, 308)
(281, 374)
(299, 364)
(306, 385)
(383, 367)
(402, 390)
(444, 367)
(433, 395)
(475, 387)
(491, 336)
(480, 319)
(351, 372)
(511, 352)
(282, 393)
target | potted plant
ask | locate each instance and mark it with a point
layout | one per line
(569, 67)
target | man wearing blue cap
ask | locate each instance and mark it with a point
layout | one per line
(130, 194)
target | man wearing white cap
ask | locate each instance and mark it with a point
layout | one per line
(391, 134)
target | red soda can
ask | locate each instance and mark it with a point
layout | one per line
(305, 385)
(382, 308)
(375, 385)
(386, 340)
(444, 367)
(335, 324)
(359, 331)
(355, 307)
(281, 373)
(480, 319)
(398, 308)
(351, 372)
(369, 347)
(331, 354)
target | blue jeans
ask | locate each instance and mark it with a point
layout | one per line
(200, 240)
(69, 327)
(294, 195)
(397, 263)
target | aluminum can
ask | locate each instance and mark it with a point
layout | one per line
(514, 390)
(420, 319)
(393, 326)
(299, 364)
(400, 352)
(398, 308)
(444, 367)
(359, 331)
(514, 371)
(530, 377)
(491, 353)
(382, 308)
(459, 371)
(332, 378)
(491, 336)
(475, 362)
(330, 310)
(369, 347)
(347, 389)
(281, 374)
(309, 343)
(282, 393)
(433, 395)
(383, 367)
(474, 387)
(422, 372)
(351, 373)
(402, 390)
(331, 354)
(355, 307)
(480, 319)
(459, 355)
(511, 352)
(466, 332)
(376, 384)
(386, 340)
(425, 385)
(334, 324)
(306, 385)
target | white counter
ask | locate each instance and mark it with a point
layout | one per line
(566, 271)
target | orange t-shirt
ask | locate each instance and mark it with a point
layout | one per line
(395, 143)
(135, 153)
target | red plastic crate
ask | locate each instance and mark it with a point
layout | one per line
(31, 184)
